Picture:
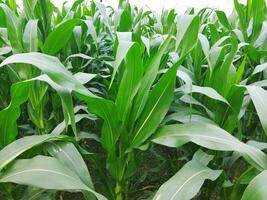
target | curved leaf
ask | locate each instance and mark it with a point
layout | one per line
(207, 91)
(19, 94)
(13, 150)
(123, 48)
(256, 188)
(70, 157)
(9, 115)
(45, 172)
(59, 37)
(259, 98)
(186, 183)
(30, 36)
(52, 67)
(211, 137)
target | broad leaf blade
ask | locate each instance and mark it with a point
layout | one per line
(259, 98)
(70, 157)
(147, 80)
(9, 115)
(130, 82)
(45, 172)
(60, 36)
(156, 108)
(256, 188)
(13, 150)
(186, 183)
(30, 36)
(51, 66)
(13, 28)
(211, 137)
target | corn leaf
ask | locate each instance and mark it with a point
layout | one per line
(186, 183)
(45, 172)
(211, 137)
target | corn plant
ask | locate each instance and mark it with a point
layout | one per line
(124, 103)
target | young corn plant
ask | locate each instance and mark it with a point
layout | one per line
(141, 91)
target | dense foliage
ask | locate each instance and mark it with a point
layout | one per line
(158, 106)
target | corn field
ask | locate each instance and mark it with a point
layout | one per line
(105, 103)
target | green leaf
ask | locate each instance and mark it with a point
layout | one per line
(107, 111)
(32, 193)
(5, 50)
(148, 79)
(30, 36)
(13, 150)
(9, 115)
(242, 17)
(256, 188)
(13, 28)
(240, 70)
(19, 94)
(207, 91)
(258, 9)
(66, 100)
(157, 106)
(125, 21)
(60, 36)
(221, 76)
(187, 34)
(259, 96)
(91, 29)
(123, 47)
(47, 173)
(70, 157)
(183, 23)
(130, 82)
(102, 9)
(84, 78)
(211, 137)
(28, 8)
(52, 67)
(204, 44)
(223, 19)
(186, 183)
(259, 68)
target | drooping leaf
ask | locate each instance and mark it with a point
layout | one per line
(259, 96)
(107, 111)
(70, 157)
(45, 172)
(211, 137)
(186, 183)
(19, 94)
(51, 66)
(207, 91)
(14, 149)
